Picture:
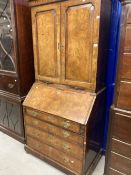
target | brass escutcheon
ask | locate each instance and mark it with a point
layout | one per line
(11, 86)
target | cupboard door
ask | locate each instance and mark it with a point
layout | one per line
(46, 39)
(79, 42)
(7, 37)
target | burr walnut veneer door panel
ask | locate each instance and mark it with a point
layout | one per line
(46, 37)
(77, 41)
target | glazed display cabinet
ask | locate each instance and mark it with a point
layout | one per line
(16, 64)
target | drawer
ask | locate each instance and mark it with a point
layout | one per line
(121, 129)
(121, 148)
(127, 45)
(62, 133)
(60, 157)
(124, 97)
(8, 83)
(120, 163)
(58, 121)
(114, 172)
(126, 66)
(69, 148)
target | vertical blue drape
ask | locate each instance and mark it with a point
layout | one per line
(112, 62)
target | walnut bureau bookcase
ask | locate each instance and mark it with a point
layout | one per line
(64, 109)
(118, 158)
(16, 64)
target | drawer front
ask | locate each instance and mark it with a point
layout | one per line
(124, 97)
(121, 163)
(62, 158)
(126, 66)
(8, 83)
(121, 148)
(64, 134)
(56, 142)
(122, 127)
(69, 125)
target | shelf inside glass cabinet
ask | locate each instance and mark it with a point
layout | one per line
(7, 62)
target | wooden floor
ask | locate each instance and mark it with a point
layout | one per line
(15, 161)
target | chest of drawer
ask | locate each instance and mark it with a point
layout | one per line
(121, 148)
(121, 129)
(58, 156)
(58, 143)
(120, 163)
(62, 133)
(58, 121)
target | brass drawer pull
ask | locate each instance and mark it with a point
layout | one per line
(67, 160)
(49, 118)
(67, 124)
(66, 147)
(66, 134)
(37, 134)
(33, 113)
(11, 86)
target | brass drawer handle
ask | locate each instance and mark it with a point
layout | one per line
(66, 134)
(33, 113)
(37, 134)
(38, 146)
(49, 118)
(67, 124)
(11, 86)
(67, 160)
(66, 147)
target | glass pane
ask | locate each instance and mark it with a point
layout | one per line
(6, 38)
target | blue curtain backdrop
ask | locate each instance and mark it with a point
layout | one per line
(112, 62)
